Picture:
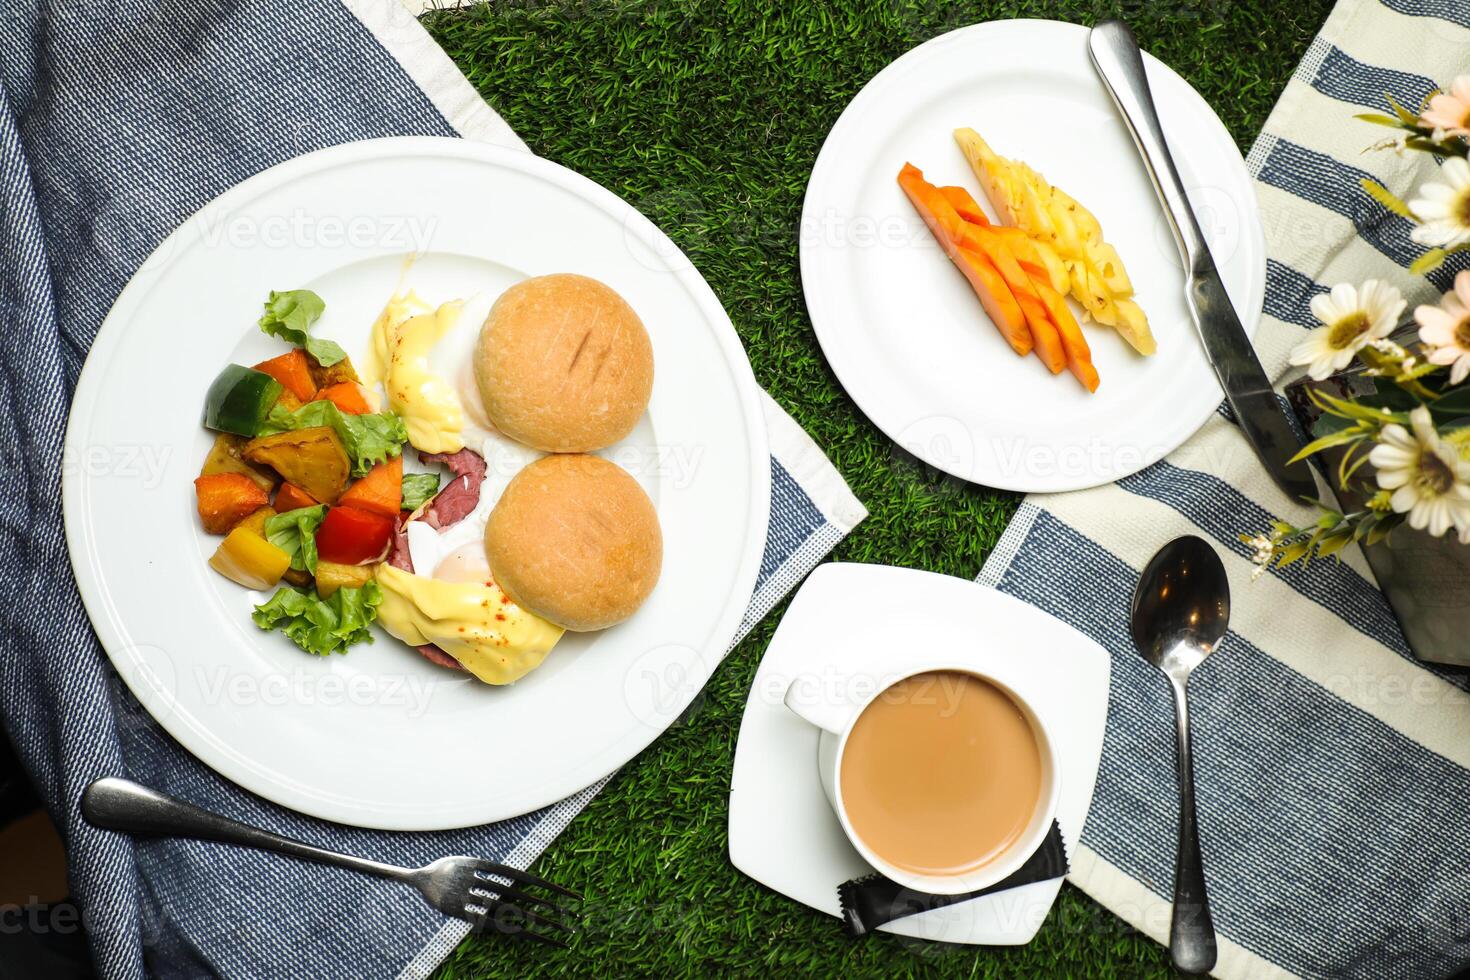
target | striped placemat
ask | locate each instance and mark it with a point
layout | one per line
(1331, 765)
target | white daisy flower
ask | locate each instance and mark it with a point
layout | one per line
(1444, 208)
(1351, 318)
(1428, 479)
(1445, 329)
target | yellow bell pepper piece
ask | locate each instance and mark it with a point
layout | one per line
(249, 559)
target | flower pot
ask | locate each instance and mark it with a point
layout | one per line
(1425, 579)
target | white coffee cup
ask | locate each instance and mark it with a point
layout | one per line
(835, 709)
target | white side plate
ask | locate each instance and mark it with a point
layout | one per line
(380, 737)
(877, 621)
(899, 324)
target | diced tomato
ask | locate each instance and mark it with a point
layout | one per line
(346, 396)
(349, 536)
(380, 491)
(292, 497)
(293, 371)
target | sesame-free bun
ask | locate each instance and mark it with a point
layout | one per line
(575, 540)
(563, 364)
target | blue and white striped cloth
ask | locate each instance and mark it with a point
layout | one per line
(1333, 768)
(119, 119)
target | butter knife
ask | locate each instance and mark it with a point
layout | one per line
(1262, 418)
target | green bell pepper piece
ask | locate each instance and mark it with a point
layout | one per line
(239, 400)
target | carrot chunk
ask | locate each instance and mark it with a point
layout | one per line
(380, 492)
(292, 497)
(346, 396)
(293, 371)
(225, 499)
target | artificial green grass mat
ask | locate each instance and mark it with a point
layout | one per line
(708, 118)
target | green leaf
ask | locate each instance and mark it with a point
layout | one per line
(1327, 424)
(1353, 433)
(294, 532)
(1295, 551)
(1428, 262)
(322, 626)
(1356, 410)
(369, 439)
(1378, 119)
(1453, 404)
(289, 316)
(1391, 397)
(1405, 116)
(1386, 197)
(419, 489)
(1383, 527)
(1351, 462)
(1332, 543)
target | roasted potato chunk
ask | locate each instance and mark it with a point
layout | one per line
(324, 376)
(313, 459)
(226, 456)
(330, 576)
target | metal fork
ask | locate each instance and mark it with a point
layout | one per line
(482, 892)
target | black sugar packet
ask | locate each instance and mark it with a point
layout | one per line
(872, 900)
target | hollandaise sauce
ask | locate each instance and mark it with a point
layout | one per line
(403, 336)
(474, 622)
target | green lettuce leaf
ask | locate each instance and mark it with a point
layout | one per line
(322, 626)
(289, 316)
(369, 439)
(294, 532)
(419, 489)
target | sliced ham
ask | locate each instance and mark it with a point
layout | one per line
(453, 503)
(398, 555)
(450, 505)
(434, 655)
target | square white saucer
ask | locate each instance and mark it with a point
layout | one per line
(854, 620)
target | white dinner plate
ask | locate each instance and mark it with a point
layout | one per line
(867, 624)
(380, 737)
(900, 325)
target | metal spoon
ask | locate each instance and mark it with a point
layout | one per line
(1180, 612)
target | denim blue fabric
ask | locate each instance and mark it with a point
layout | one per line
(118, 120)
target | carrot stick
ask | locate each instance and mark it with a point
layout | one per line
(1043, 332)
(987, 282)
(1079, 355)
(1030, 255)
(1053, 306)
(965, 204)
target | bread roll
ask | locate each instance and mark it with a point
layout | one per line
(575, 540)
(563, 364)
